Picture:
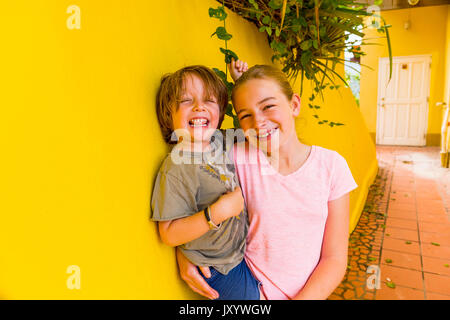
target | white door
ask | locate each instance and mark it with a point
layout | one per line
(402, 113)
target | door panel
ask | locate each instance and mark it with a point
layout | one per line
(402, 115)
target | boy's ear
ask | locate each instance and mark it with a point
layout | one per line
(295, 103)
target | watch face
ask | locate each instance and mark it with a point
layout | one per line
(413, 2)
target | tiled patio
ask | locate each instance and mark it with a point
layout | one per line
(404, 231)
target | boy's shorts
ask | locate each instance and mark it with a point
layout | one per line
(238, 284)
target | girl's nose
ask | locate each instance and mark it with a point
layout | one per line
(259, 121)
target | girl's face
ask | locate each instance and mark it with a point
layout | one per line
(197, 115)
(262, 106)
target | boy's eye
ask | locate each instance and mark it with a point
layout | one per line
(211, 101)
(268, 106)
(185, 100)
(244, 116)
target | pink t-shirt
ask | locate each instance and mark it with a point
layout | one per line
(288, 215)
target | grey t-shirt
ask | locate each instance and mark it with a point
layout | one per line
(183, 189)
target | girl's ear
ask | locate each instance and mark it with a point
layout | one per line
(295, 103)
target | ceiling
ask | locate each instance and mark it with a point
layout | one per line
(403, 4)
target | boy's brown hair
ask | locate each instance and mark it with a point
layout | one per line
(169, 94)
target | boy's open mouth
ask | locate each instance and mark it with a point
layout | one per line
(198, 122)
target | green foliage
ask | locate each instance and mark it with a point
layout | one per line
(222, 33)
(308, 37)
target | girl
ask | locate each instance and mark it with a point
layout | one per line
(297, 196)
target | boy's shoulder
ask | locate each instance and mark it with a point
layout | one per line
(174, 168)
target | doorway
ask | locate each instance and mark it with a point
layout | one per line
(402, 110)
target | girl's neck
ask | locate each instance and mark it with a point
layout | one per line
(290, 157)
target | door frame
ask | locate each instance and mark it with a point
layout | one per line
(427, 92)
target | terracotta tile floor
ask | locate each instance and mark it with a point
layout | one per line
(403, 234)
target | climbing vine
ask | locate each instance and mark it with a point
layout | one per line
(307, 37)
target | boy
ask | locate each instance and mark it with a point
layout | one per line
(195, 201)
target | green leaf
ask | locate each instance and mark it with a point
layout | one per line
(269, 31)
(228, 55)
(278, 46)
(262, 29)
(435, 244)
(390, 284)
(305, 45)
(388, 260)
(266, 20)
(255, 5)
(277, 31)
(236, 122)
(221, 74)
(275, 4)
(218, 13)
(222, 34)
(229, 110)
(305, 58)
(315, 44)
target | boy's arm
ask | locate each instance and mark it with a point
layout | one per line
(333, 260)
(237, 68)
(180, 231)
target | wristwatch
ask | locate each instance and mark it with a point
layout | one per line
(212, 226)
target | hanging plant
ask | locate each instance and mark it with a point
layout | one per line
(308, 37)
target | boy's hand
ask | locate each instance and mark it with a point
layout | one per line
(229, 205)
(237, 68)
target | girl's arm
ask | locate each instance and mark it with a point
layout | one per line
(190, 274)
(331, 268)
(179, 231)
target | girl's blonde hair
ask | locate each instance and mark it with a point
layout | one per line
(169, 94)
(268, 73)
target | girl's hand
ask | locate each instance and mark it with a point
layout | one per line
(237, 68)
(192, 277)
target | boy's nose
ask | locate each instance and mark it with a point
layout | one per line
(198, 107)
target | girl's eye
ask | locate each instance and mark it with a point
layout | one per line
(244, 116)
(211, 101)
(185, 100)
(268, 106)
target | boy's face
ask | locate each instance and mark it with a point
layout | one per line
(197, 114)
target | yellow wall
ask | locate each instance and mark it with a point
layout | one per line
(427, 35)
(446, 95)
(81, 145)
